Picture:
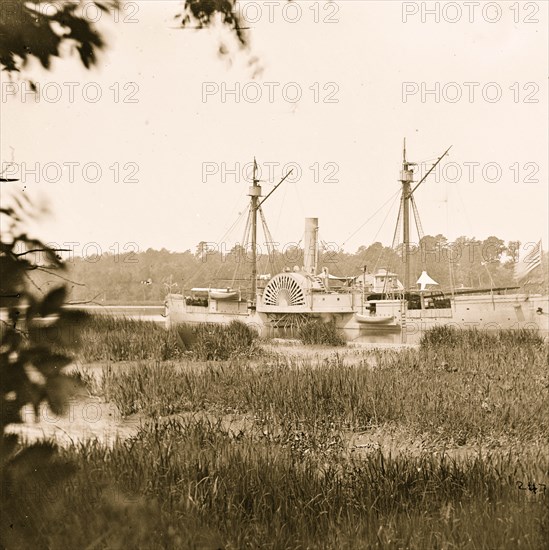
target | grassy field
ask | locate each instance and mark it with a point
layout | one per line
(349, 448)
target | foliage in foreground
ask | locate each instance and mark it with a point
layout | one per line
(32, 330)
(318, 332)
(194, 485)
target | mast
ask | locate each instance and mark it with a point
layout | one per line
(255, 206)
(406, 178)
(255, 193)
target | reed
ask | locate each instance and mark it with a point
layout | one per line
(449, 336)
(194, 485)
(460, 395)
(255, 451)
(318, 332)
(109, 338)
(217, 342)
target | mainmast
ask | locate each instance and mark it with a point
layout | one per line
(255, 193)
(406, 178)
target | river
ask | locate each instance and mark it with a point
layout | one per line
(142, 313)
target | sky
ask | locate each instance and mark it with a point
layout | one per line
(151, 148)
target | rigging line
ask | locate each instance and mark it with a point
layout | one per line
(417, 219)
(398, 225)
(202, 268)
(425, 161)
(382, 224)
(419, 229)
(270, 243)
(241, 215)
(385, 218)
(281, 208)
(450, 267)
(299, 200)
(337, 270)
(244, 246)
(372, 216)
(467, 219)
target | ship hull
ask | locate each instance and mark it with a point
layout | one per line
(483, 312)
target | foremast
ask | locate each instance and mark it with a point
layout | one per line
(255, 207)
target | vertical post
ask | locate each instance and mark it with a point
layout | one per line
(406, 178)
(311, 246)
(255, 193)
(406, 234)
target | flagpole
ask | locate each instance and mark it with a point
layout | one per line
(545, 283)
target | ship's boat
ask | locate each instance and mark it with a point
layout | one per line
(223, 294)
(374, 319)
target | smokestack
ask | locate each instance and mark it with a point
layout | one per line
(311, 245)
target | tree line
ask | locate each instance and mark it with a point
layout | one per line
(146, 277)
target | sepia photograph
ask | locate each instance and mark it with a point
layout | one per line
(274, 274)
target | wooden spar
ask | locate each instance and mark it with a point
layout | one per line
(406, 178)
(277, 186)
(255, 192)
(432, 168)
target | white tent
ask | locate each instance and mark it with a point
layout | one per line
(425, 280)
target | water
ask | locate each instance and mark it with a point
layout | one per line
(140, 313)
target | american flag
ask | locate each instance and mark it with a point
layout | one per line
(532, 260)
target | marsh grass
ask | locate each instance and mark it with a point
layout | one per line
(459, 395)
(217, 342)
(449, 336)
(193, 485)
(109, 338)
(285, 477)
(318, 332)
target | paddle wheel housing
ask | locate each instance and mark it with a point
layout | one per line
(286, 292)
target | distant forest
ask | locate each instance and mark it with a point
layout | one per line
(146, 277)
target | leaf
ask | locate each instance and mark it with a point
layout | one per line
(11, 413)
(53, 301)
(59, 389)
(32, 464)
(11, 340)
(63, 333)
(12, 375)
(32, 309)
(30, 392)
(108, 5)
(11, 279)
(9, 444)
(34, 455)
(51, 363)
